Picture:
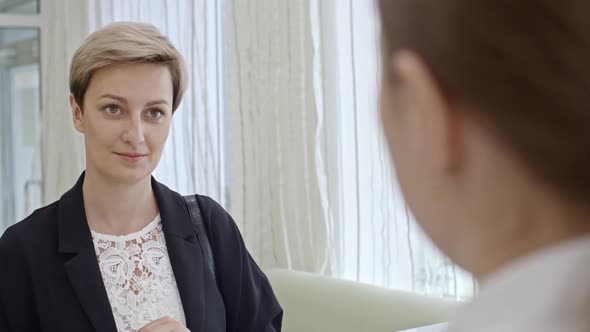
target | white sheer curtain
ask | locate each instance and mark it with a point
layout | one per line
(280, 125)
(62, 146)
(380, 242)
(275, 191)
(310, 176)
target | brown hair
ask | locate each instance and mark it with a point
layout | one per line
(126, 42)
(523, 64)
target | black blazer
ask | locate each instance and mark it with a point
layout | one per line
(50, 278)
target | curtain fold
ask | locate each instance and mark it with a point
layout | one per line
(311, 179)
(62, 146)
(270, 103)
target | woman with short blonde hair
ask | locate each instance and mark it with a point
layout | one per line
(121, 251)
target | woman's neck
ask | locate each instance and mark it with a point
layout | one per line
(538, 224)
(118, 208)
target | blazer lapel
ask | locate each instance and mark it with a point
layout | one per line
(184, 251)
(75, 241)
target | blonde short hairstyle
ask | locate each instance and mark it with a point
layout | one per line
(126, 43)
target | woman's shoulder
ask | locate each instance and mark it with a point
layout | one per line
(209, 205)
(213, 213)
(218, 222)
(244, 287)
(39, 223)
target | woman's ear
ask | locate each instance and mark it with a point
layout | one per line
(437, 125)
(77, 115)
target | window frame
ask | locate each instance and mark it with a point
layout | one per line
(31, 21)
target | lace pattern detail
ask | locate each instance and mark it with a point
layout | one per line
(138, 277)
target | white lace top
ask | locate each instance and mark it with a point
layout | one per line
(138, 277)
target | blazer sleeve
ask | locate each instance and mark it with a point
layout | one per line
(250, 303)
(3, 320)
(16, 305)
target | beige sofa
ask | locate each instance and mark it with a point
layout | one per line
(315, 303)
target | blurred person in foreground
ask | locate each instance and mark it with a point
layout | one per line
(486, 109)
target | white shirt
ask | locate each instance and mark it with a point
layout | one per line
(138, 277)
(546, 291)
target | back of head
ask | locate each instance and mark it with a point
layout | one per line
(126, 43)
(524, 67)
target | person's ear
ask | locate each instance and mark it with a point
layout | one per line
(436, 126)
(77, 115)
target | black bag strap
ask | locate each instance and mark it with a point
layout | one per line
(197, 219)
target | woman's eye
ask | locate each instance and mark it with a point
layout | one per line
(112, 109)
(155, 114)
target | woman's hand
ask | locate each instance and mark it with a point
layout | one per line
(164, 324)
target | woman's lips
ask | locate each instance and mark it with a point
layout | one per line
(131, 157)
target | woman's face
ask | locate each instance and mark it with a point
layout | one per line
(125, 119)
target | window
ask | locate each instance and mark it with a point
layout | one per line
(20, 110)
(19, 6)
